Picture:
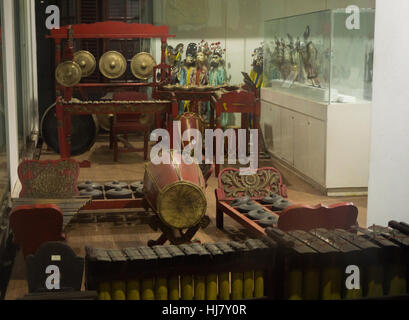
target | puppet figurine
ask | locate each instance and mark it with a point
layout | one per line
(174, 57)
(256, 73)
(201, 76)
(309, 56)
(218, 76)
(217, 73)
(187, 72)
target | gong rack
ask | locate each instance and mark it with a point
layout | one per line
(109, 30)
(106, 30)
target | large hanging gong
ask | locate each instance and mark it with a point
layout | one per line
(84, 131)
(86, 61)
(112, 64)
(142, 66)
(68, 73)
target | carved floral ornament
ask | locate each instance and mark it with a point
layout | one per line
(262, 184)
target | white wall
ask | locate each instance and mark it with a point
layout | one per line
(389, 170)
(237, 24)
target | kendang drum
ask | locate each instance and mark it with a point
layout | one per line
(190, 121)
(176, 192)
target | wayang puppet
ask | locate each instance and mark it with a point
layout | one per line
(174, 57)
(218, 76)
(256, 73)
(201, 76)
(187, 72)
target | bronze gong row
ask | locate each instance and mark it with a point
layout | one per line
(112, 65)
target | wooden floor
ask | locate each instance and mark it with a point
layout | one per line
(130, 169)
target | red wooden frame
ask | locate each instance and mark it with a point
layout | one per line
(223, 206)
(22, 222)
(101, 30)
(244, 102)
(298, 217)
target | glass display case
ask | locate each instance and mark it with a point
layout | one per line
(318, 56)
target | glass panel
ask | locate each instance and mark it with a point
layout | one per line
(315, 56)
(352, 56)
(4, 176)
(296, 55)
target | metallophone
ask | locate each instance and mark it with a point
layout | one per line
(291, 265)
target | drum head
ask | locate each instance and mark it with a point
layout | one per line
(84, 131)
(182, 205)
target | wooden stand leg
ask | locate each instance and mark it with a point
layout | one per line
(219, 219)
(111, 136)
(115, 138)
(146, 146)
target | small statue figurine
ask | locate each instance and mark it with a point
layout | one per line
(309, 56)
(201, 76)
(256, 73)
(174, 57)
(186, 73)
(218, 76)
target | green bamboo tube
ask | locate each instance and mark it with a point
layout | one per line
(211, 287)
(237, 286)
(104, 291)
(294, 284)
(248, 285)
(148, 289)
(133, 290)
(161, 289)
(187, 287)
(311, 284)
(224, 286)
(258, 284)
(331, 283)
(396, 280)
(374, 286)
(118, 290)
(173, 284)
(200, 287)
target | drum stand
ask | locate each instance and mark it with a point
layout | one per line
(175, 236)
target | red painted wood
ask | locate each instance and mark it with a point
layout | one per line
(115, 204)
(249, 224)
(112, 30)
(338, 216)
(34, 225)
(158, 177)
(222, 207)
(243, 102)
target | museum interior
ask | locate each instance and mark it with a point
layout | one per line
(204, 150)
